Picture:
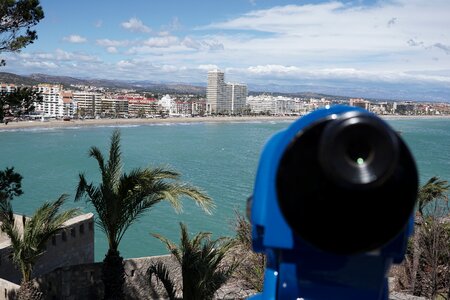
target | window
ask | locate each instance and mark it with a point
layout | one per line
(64, 236)
(82, 228)
(53, 240)
(73, 232)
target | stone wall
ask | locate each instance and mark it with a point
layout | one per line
(8, 290)
(72, 245)
(84, 281)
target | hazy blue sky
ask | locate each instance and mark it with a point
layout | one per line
(254, 41)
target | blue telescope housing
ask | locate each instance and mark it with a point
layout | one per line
(333, 206)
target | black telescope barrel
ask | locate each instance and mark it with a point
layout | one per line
(347, 184)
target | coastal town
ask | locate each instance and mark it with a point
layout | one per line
(59, 102)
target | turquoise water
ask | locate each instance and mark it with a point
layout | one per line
(221, 158)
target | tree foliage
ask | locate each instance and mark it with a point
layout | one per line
(16, 19)
(30, 244)
(10, 184)
(434, 189)
(28, 240)
(18, 103)
(426, 268)
(252, 265)
(122, 198)
(202, 261)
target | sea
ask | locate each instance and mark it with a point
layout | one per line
(220, 158)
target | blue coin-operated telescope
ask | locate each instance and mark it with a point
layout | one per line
(333, 206)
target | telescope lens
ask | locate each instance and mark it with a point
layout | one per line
(347, 185)
(358, 153)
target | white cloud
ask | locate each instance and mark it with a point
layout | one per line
(169, 68)
(75, 38)
(161, 42)
(191, 43)
(62, 55)
(208, 67)
(136, 25)
(111, 49)
(40, 64)
(174, 25)
(164, 33)
(338, 26)
(351, 74)
(126, 64)
(112, 43)
(273, 69)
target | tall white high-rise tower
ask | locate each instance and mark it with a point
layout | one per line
(224, 98)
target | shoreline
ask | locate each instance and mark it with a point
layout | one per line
(124, 122)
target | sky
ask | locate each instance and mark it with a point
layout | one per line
(386, 47)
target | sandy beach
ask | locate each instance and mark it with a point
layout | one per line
(123, 122)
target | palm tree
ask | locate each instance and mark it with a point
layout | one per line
(121, 198)
(28, 244)
(432, 190)
(202, 265)
(252, 265)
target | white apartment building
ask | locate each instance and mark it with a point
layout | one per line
(114, 106)
(276, 105)
(215, 90)
(236, 97)
(168, 104)
(52, 101)
(7, 88)
(226, 98)
(68, 106)
(139, 106)
(87, 104)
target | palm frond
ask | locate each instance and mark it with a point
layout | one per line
(121, 199)
(172, 247)
(82, 187)
(96, 153)
(29, 245)
(162, 274)
(158, 173)
(114, 164)
(202, 263)
(432, 190)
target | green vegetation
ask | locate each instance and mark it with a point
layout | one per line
(17, 18)
(121, 198)
(252, 265)
(10, 184)
(426, 268)
(202, 262)
(435, 189)
(28, 236)
(18, 103)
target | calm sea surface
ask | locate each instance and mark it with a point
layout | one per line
(221, 158)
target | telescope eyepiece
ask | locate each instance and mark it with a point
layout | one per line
(347, 183)
(358, 151)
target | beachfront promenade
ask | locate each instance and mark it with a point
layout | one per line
(123, 122)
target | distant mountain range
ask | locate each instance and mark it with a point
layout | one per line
(328, 89)
(68, 81)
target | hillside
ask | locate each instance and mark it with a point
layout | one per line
(16, 79)
(68, 81)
